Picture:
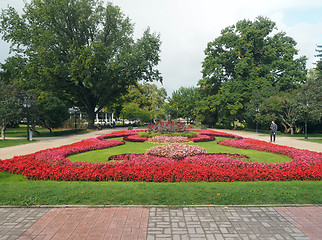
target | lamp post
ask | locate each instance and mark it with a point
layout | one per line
(257, 111)
(75, 116)
(27, 105)
(74, 111)
(305, 125)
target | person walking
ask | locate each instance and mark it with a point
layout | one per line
(273, 128)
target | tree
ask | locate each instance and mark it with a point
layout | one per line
(184, 103)
(132, 111)
(149, 97)
(10, 106)
(247, 57)
(52, 111)
(81, 50)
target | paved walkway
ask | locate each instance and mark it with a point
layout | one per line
(286, 141)
(156, 223)
(162, 223)
(43, 143)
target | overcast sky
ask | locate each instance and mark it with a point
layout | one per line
(186, 26)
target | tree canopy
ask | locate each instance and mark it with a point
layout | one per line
(83, 51)
(248, 56)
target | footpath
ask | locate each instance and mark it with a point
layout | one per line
(302, 222)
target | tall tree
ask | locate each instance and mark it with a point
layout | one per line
(149, 97)
(246, 57)
(82, 50)
(184, 103)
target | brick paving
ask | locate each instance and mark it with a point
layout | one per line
(126, 223)
(156, 223)
(308, 219)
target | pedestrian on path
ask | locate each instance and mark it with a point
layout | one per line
(273, 128)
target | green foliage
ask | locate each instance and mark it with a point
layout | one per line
(133, 112)
(81, 50)
(10, 105)
(184, 103)
(247, 57)
(53, 112)
(148, 97)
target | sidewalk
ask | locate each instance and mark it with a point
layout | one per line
(286, 141)
(43, 143)
(157, 222)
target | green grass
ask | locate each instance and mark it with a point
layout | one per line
(12, 142)
(21, 131)
(16, 190)
(312, 140)
(211, 147)
(301, 135)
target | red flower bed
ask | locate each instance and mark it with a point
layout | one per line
(52, 164)
(118, 134)
(134, 138)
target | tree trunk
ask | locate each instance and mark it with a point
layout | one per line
(3, 133)
(285, 127)
(91, 118)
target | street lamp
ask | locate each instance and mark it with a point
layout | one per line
(74, 111)
(27, 105)
(257, 111)
(306, 103)
(75, 116)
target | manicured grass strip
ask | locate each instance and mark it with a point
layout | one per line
(12, 142)
(211, 147)
(43, 132)
(312, 140)
(16, 190)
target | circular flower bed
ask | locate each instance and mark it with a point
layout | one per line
(168, 139)
(176, 151)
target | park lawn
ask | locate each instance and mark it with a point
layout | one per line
(211, 147)
(16, 190)
(312, 140)
(12, 142)
(21, 131)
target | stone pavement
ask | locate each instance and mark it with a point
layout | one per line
(162, 223)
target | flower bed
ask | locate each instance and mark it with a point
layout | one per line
(52, 164)
(117, 134)
(175, 151)
(134, 138)
(168, 139)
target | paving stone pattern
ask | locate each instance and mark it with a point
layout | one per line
(156, 223)
(220, 224)
(15, 221)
